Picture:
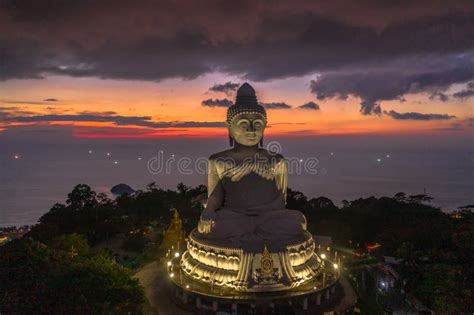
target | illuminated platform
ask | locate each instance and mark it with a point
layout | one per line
(211, 277)
(243, 271)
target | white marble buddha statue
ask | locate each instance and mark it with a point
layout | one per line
(247, 187)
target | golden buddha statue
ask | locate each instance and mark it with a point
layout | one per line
(246, 239)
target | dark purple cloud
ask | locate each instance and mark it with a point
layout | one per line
(464, 94)
(51, 100)
(373, 50)
(468, 92)
(276, 105)
(290, 38)
(440, 96)
(394, 80)
(106, 117)
(310, 105)
(217, 102)
(226, 88)
(417, 116)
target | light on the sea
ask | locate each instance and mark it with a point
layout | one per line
(323, 256)
(16, 157)
(90, 151)
(115, 162)
(176, 254)
(139, 158)
(336, 266)
(379, 160)
(108, 153)
(301, 160)
(332, 153)
(388, 155)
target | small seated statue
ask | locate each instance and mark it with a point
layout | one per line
(247, 187)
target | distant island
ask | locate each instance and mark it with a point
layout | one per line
(120, 189)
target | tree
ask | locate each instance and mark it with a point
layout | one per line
(152, 186)
(400, 197)
(420, 198)
(182, 188)
(71, 245)
(323, 204)
(25, 271)
(82, 196)
(441, 286)
(37, 278)
(98, 286)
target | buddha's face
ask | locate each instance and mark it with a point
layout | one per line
(247, 129)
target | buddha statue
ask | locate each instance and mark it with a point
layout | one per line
(246, 239)
(247, 187)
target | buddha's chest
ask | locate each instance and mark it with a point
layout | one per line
(236, 170)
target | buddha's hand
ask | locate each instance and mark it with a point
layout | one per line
(207, 221)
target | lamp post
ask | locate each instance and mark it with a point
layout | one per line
(170, 262)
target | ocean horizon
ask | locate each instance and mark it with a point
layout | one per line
(347, 167)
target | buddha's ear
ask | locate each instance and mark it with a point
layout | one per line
(229, 126)
(231, 140)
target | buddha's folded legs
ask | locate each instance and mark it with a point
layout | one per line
(230, 224)
(280, 224)
(275, 228)
(277, 223)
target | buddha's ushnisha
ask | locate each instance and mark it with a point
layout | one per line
(247, 187)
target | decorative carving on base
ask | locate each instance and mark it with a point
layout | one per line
(245, 271)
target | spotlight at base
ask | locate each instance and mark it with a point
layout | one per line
(323, 256)
(169, 263)
(187, 286)
(176, 254)
(336, 266)
(171, 275)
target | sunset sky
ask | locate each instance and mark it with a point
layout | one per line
(381, 92)
(114, 69)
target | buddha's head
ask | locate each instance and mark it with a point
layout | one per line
(246, 119)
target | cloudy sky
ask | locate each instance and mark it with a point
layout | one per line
(144, 69)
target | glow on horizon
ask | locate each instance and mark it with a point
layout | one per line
(180, 100)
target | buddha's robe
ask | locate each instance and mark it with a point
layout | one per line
(253, 213)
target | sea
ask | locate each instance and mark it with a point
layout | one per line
(38, 171)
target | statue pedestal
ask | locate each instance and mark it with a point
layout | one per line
(234, 268)
(213, 277)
